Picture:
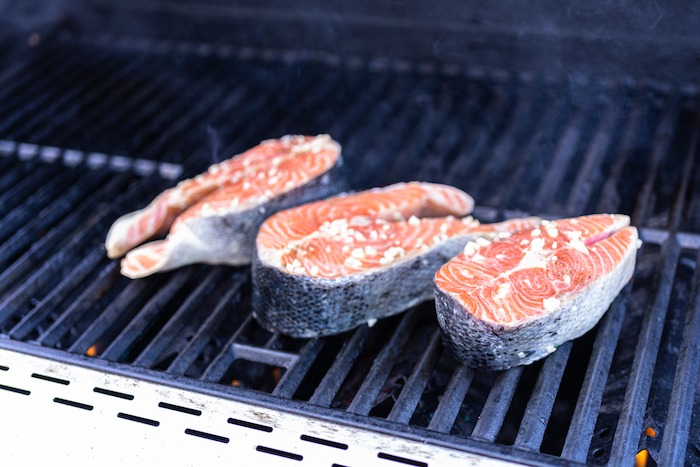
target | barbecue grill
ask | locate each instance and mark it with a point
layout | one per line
(100, 113)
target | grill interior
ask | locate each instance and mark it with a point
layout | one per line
(94, 128)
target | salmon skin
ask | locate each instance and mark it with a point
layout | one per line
(330, 266)
(213, 217)
(513, 302)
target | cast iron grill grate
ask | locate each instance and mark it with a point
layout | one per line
(518, 144)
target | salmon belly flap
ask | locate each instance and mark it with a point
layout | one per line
(330, 266)
(513, 302)
(213, 218)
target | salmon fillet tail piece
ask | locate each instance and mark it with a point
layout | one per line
(330, 266)
(514, 302)
(219, 227)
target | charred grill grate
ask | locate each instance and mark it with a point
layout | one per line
(517, 143)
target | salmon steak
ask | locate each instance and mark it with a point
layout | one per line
(214, 217)
(355, 258)
(513, 302)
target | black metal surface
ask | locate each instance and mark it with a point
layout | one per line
(518, 143)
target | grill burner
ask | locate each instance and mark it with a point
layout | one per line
(518, 143)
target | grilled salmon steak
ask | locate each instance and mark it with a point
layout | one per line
(513, 302)
(354, 258)
(213, 217)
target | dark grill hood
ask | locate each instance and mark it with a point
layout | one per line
(98, 113)
(658, 41)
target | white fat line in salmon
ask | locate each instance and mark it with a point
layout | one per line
(94, 160)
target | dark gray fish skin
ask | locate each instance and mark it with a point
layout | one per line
(482, 345)
(302, 306)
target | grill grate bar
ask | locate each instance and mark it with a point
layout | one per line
(48, 271)
(470, 154)
(578, 439)
(114, 315)
(85, 83)
(147, 111)
(223, 307)
(8, 167)
(423, 124)
(448, 408)
(137, 111)
(336, 374)
(234, 102)
(205, 107)
(136, 324)
(398, 89)
(218, 366)
(81, 304)
(691, 220)
(254, 128)
(680, 407)
(561, 160)
(107, 91)
(19, 216)
(401, 123)
(445, 141)
(680, 200)
(526, 105)
(56, 93)
(448, 147)
(504, 188)
(423, 137)
(20, 91)
(610, 198)
(32, 256)
(8, 79)
(588, 176)
(297, 371)
(226, 137)
(539, 407)
(116, 309)
(15, 175)
(181, 109)
(323, 92)
(266, 356)
(17, 195)
(178, 322)
(372, 384)
(631, 417)
(49, 215)
(496, 406)
(662, 141)
(356, 107)
(48, 304)
(126, 109)
(50, 267)
(410, 395)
